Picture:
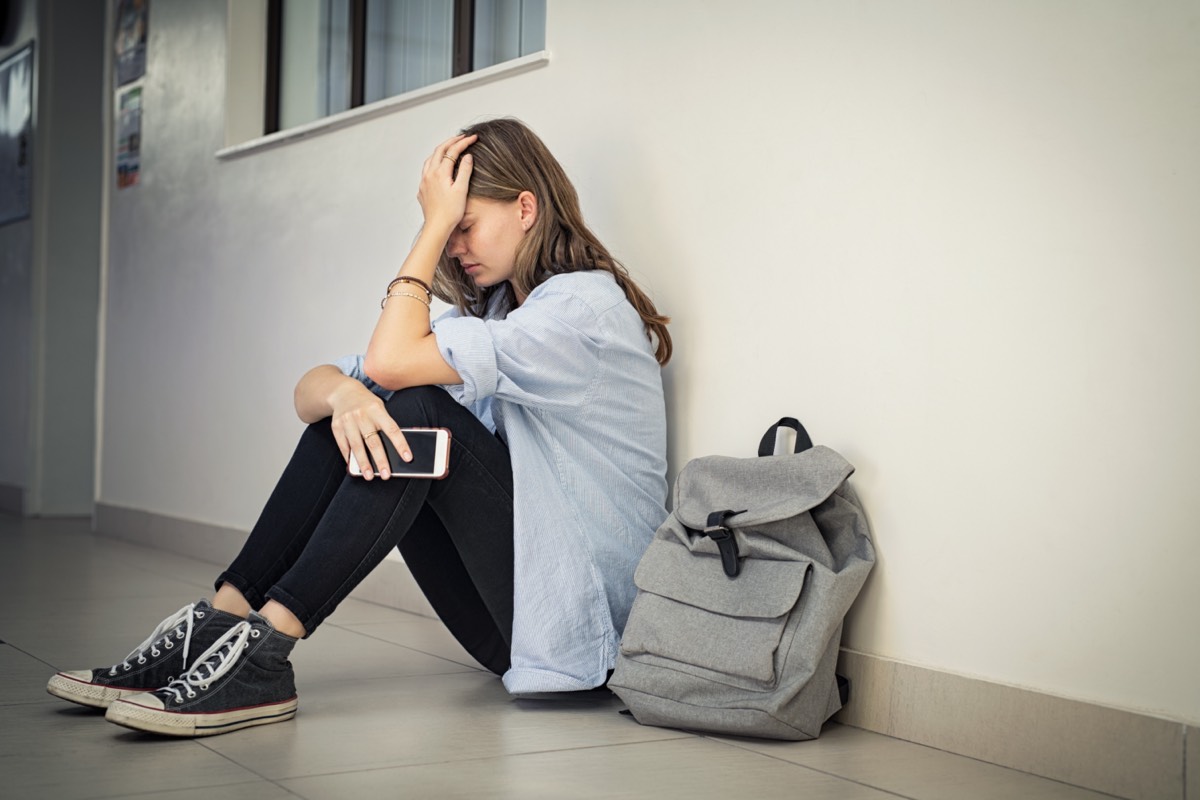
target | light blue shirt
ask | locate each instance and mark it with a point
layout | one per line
(569, 380)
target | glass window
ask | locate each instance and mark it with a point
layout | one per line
(507, 29)
(315, 66)
(410, 44)
(326, 56)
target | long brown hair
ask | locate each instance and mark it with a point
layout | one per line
(508, 159)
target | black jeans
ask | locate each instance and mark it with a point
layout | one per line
(322, 531)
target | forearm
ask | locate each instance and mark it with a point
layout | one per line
(398, 353)
(315, 390)
(403, 351)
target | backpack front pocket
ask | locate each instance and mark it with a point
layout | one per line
(689, 612)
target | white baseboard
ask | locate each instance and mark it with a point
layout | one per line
(1119, 752)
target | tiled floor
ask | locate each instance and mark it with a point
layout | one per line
(390, 707)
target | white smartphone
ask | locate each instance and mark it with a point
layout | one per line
(430, 449)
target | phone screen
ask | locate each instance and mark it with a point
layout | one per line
(431, 455)
(423, 445)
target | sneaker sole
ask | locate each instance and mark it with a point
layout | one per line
(92, 695)
(169, 723)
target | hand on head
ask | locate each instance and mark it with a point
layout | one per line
(442, 194)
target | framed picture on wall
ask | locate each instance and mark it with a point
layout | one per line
(129, 137)
(130, 41)
(16, 134)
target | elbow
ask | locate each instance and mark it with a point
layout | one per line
(387, 373)
(297, 403)
(416, 363)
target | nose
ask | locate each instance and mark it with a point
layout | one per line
(454, 245)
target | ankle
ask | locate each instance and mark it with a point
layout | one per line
(283, 620)
(231, 601)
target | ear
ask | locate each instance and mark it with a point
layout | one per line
(527, 205)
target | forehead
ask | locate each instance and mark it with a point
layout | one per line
(482, 206)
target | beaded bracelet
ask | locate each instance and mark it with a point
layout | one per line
(417, 297)
(414, 281)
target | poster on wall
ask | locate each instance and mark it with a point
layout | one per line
(129, 138)
(131, 40)
(16, 135)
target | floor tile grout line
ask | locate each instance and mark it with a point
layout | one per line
(855, 781)
(273, 781)
(49, 701)
(346, 627)
(24, 652)
(497, 757)
(156, 793)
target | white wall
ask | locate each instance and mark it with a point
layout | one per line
(957, 238)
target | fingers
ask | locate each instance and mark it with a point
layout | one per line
(397, 439)
(463, 178)
(358, 444)
(357, 435)
(363, 437)
(386, 427)
(349, 438)
(340, 437)
(447, 153)
(372, 441)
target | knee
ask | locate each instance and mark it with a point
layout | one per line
(418, 406)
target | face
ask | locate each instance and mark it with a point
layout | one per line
(485, 241)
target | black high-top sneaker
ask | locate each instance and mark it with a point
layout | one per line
(165, 655)
(244, 679)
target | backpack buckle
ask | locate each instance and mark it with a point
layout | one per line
(725, 540)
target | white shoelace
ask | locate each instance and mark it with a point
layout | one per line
(172, 625)
(214, 662)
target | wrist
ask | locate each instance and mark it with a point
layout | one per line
(340, 388)
(438, 230)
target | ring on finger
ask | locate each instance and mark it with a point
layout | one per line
(447, 155)
(369, 435)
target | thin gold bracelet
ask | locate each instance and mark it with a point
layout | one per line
(416, 297)
(412, 282)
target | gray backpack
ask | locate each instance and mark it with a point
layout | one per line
(738, 618)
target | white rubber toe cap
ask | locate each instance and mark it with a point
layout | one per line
(145, 700)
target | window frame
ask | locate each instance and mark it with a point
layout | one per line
(462, 59)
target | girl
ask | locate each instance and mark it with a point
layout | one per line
(547, 373)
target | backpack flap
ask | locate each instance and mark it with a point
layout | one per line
(769, 487)
(691, 616)
(673, 571)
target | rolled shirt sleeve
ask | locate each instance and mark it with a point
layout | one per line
(543, 355)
